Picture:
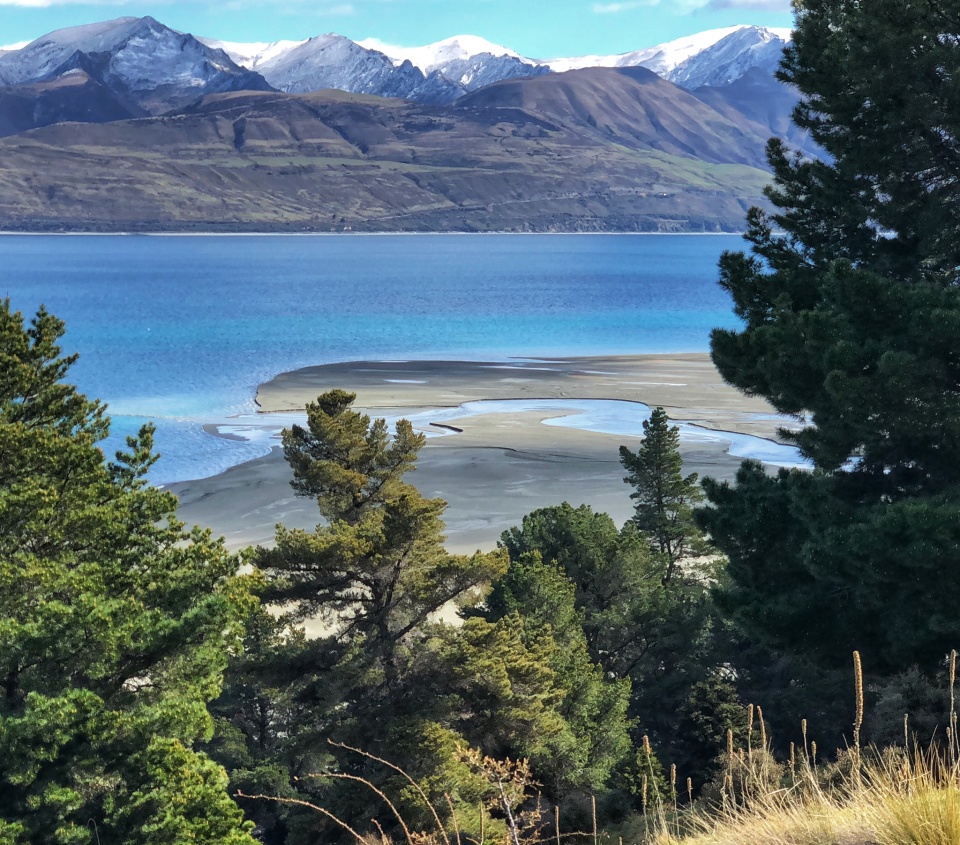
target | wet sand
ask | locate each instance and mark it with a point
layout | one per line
(501, 465)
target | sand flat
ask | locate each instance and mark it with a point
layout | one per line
(680, 381)
(500, 466)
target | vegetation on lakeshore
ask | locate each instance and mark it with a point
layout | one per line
(585, 679)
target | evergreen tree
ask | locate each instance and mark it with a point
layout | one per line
(376, 570)
(115, 625)
(594, 735)
(664, 495)
(851, 312)
(661, 636)
(384, 675)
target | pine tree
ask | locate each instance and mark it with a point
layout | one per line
(371, 576)
(664, 495)
(377, 569)
(662, 637)
(851, 315)
(114, 624)
(594, 735)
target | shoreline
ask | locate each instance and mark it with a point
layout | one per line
(501, 464)
(254, 234)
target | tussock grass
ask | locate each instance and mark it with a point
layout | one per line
(900, 796)
(894, 798)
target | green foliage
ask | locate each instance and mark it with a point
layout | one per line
(664, 496)
(851, 311)
(539, 599)
(817, 570)
(712, 708)
(115, 624)
(387, 677)
(659, 634)
(642, 778)
(497, 689)
(377, 569)
(260, 725)
(923, 699)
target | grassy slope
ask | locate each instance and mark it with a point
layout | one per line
(587, 151)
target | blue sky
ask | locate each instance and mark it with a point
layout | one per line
(536, 28)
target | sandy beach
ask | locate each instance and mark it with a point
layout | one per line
(498, 466)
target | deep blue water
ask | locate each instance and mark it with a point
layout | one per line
(181, 329)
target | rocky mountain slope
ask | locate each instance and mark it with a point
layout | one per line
(149, 68)
(468, 60)
(332, 61)
(144, 64)
(465, 63)
(715, 57)
(437, 73)
(590, 150)
(130, 125)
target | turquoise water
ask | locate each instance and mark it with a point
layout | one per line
(181, 329)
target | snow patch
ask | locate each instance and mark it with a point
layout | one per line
(659, 58)
(253, 54)
(431, 57)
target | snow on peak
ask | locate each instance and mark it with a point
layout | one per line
(46, 53)
(660, 58)
(784, 33)
(252, 54)
(436, 56)
(160, 68)
(704, 57)
(87, 33)
(144, 53)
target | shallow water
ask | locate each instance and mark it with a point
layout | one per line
(605, 416)
(182, 329)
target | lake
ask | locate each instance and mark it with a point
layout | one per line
(182, 329)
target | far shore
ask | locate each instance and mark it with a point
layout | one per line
(165, 233)
(500, 466)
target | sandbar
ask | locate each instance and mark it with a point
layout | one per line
(498, 466)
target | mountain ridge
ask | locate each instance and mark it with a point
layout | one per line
(128, 125)
(588, 150)
(139, 59)
(434, 73)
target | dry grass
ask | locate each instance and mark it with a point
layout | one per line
(900, 796)
(894, 799)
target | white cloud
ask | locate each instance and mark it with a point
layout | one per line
(44, 4)
(16, 46)
(616, 6)
(623, 6)
(382, 46)
(761, 5)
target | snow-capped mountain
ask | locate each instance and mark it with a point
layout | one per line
(12, 48)
(251, 55)
(436, 73)
(731, 57)
(467, 60)
(332, 61)
(436, 56)
(715, 57)
(661, 58)
(139, 58)
(151, 68)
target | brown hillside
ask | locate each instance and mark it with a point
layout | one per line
(606, 150)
